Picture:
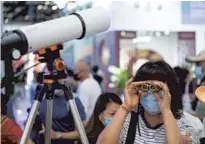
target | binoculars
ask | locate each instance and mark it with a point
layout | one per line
(148, 87)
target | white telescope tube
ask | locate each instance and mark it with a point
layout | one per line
(59, 30)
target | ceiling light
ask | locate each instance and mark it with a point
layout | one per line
(47, 3)
(166, 32)
(39, 7)
(54, 7)
(134, 40)
(6, 21)
(26, 17)
(142, 39)
(122, 33)
(71, 6)
(61, 3)
(158, 34)
(45, 7)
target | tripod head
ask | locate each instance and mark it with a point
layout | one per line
(55, 65)
(56, 68)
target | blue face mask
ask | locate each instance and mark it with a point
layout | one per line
(107, 120)
(149, 103)
(198, 72)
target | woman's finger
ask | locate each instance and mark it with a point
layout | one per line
(139, 83)
(157, 97)
(188, 138)
(164, 87)
(128, 82)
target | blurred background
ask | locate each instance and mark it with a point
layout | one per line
(140, 31)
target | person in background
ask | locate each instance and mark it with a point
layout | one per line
(15, 110)
(105, 108)
(195, 122)
(183, 77)
(98, 71)
(10, 132)
(199, 72)
(88, 88)
(152, 111)
(37, 131)
(70, 80)
(97, 75)
(182, 74)
(62, 120)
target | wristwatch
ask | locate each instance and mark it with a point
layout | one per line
(59, 135)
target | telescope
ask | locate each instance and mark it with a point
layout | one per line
(46, 39)
(42, 35)
(75, 26)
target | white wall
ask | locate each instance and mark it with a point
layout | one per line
(125, 17)
(166, 46)
(200, 41)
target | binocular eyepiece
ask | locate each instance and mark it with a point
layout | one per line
(148, 87)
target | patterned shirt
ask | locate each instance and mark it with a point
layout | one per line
(154, 135)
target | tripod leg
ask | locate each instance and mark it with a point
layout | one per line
(49, 115)
(31, 119)
(204, 123)
(71, 103)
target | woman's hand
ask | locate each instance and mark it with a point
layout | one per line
(165, 100)
(132, 94)
(186, 139)
(173, 135)
(54, 135)
(30, 141)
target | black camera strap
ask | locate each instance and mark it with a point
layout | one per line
(132, 128)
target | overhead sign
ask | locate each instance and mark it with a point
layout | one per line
(193, 12)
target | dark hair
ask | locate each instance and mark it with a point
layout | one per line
(98, 78)
(70, 72)
(95, 126)
(182, 74)
(163, 72)
(4, 101)
(95, 69)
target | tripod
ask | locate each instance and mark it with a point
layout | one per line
(50, 84)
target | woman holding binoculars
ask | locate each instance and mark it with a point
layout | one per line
(152, 112)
